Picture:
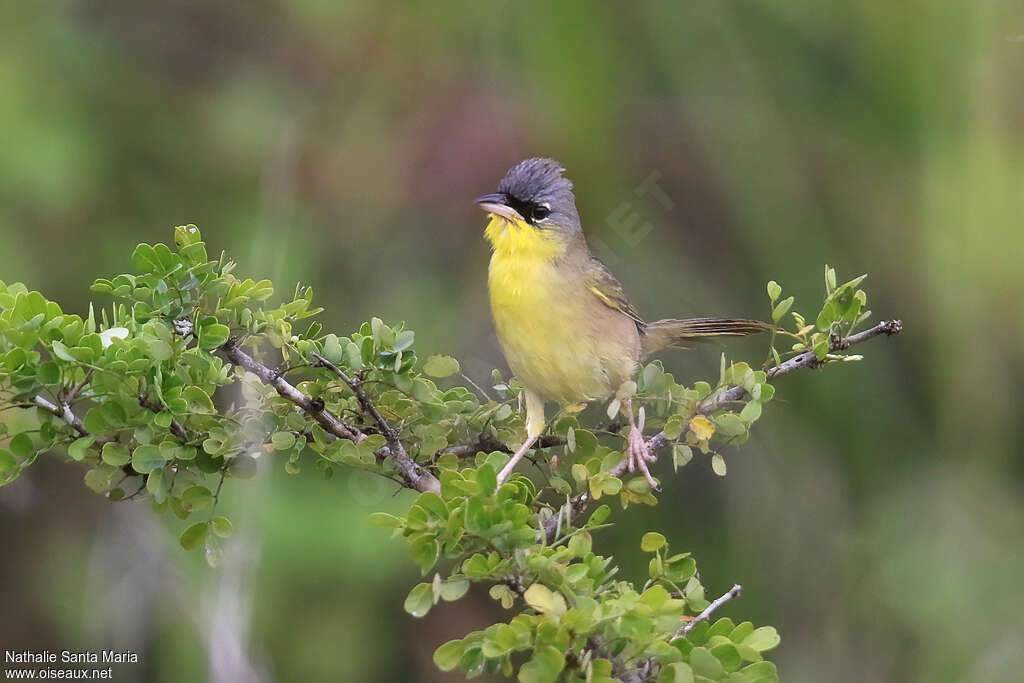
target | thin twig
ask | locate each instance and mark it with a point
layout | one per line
(73, 392)
(488, 442)
(416, 475)
(703, 616)
(176, 427)
(476, 386)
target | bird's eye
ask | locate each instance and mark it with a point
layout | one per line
(540, 212)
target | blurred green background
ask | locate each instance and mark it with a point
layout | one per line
(877, 515)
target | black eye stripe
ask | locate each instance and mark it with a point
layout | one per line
(523, 208)
(529, 210)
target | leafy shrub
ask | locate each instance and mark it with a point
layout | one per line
(189, 375)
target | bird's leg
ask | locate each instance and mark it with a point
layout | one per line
(636, 451)
(534, 427)
(516, 457)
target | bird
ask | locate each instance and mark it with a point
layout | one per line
(567, 328)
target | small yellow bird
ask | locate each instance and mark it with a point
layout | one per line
(567, 328)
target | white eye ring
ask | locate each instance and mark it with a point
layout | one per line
(541, 219)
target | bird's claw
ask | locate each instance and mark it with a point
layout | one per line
(639, 455)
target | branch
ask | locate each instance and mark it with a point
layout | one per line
(710, 404)
(64, 412)
(805, 360)
(419, 478)
(487, 442)
(329, 422)
(176, 427)
(703, 616)
(415, 476)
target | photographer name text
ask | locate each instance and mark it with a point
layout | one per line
(70, 657)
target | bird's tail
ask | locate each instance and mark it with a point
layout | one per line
(662, 334)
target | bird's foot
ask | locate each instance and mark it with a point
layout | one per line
(637, 452)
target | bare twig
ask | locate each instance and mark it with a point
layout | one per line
(703, 616)
(64, 412)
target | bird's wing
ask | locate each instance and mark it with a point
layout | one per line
(600, 281)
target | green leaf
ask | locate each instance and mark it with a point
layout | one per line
(425, 551)
(198, 401)
(157, 485)
(487, 478)
(774, 290)
(751, 412)
(159, 349)
(718, 464)
(728, 655)
(98, 479)
(385, 519)
(762, 639)
(332, 349)
(283, 441)
(222, 526)
(543, 599)
(821, 348)
(48, 373)
(439, 365)
(212, 336)
(147, 458)
(61, 351)
(547, 663)
(196, 498)
(781, 308)
(761, 672)
(598, 516)
(580, 544)
(447, 656)
(7, 461)
(21, 445)
(453, 589)
(420, 600)
(114, 453)
(705, 664)
(674, 427)
(652, 541)
(676, 672)
(193, 536)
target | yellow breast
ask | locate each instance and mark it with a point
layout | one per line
(541, 313)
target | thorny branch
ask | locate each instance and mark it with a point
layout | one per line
(710, 404)
(420, 479)
(415, 476)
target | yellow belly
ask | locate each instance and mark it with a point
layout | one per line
(557, 343)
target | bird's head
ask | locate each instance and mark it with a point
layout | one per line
(535, 195)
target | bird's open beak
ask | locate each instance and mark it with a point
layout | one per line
(497, 204)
